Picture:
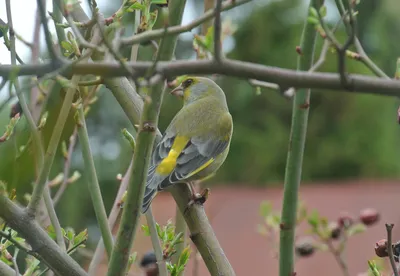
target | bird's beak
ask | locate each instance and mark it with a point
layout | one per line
(178, 91)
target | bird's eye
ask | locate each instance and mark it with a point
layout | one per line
(187, 83)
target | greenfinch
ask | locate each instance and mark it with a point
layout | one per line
(196, 142)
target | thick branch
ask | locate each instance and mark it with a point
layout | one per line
(240, 69)
(5, 270)
(202, 234)
(134, 198)
(41, 243)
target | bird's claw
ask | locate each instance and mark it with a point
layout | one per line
(198, 198)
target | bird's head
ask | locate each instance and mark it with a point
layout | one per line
(195, 88)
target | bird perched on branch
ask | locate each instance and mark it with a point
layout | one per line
(196, 142)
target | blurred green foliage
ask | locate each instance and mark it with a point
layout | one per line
(349, 135)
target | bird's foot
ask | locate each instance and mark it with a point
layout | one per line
(199, 198)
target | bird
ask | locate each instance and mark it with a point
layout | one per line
(196, 142)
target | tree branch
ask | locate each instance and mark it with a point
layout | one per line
(133, 203)
(294, 161)
(217, 32)
(53, 54)
(151, 222)
(42, 245)
(175, 30)
(5, 270)
(228, 67)
(112, 218)
(201, 233)
(389, 228)
(55, 138)
(93, 183)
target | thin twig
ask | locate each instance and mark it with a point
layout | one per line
(174, 30)
(93, 183)
(217, 32)
(53, 218)
(389, 228)
(50, 47)
(57, 19)
(67, 167)
(55, 137)
(151, 222)
(180, 227)
(367, 61)
(52, 147)
(14, 261)
(339, 259)
(112, 218)
(35, 50)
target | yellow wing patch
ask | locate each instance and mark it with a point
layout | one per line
(168, 164)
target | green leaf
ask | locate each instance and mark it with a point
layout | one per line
(70, 234)
(81, 237)
(160, 2)
(373, 268)
(152, 19)
(146, 230)
(356, 229)
(313, 219)
(51, 232)
(184, 257)
(136, 6)
(265, 208)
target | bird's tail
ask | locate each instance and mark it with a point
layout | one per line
(149, 195)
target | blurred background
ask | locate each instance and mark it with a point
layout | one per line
(351, 155)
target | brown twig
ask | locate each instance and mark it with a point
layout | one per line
(389, 228)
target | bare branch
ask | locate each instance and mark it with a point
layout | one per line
(43, 247)
(5, 270)
(67, 166)
(217, 32)
(389, 228)
(112, 218)
(50, 47)
(174, 30)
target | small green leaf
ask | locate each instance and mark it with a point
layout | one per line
(152, 19)
(313, 219)
(323, 11)
(136, 6)
(184, 257)
(70, 234)
(356, 229)
(159, 2)
(265, 208)
(146, 230)
(51, 232)
(81, 237)
(373, 268)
